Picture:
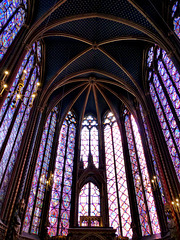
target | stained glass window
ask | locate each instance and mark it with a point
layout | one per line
(14, 115)
(90, 140)
(144, 196)
(89, 202)
(152, 156)
(12, 17)
(164, 85)
(175, 17)
(118, 197)
(38, 187)
(59, 211)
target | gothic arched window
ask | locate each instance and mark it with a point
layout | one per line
(12, 18)
(15, 112)
(164, 85)
(36, 197)
(59, 211)
(90, 140)
(144, 196)
(89, 202)
(118, 197)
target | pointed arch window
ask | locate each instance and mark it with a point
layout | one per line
(118, 197)
(90, 140)
(13, 15)
(144, 196)
(38, 187)
(164, 85)
(89, 202)
(59, 211)
(15, 112)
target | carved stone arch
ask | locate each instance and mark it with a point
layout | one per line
(90, 174)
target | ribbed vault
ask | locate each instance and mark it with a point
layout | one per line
(95, 51)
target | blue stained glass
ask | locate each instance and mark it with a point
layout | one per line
(166, 132)
(9, 33)
(68, 131)
(169, 115)
(7, 115)
(40, 177)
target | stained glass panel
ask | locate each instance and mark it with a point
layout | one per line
(12, 17)
(35, 202)
(166, 130)
(14, 116)
(89, 202)
(89, 140)
(164, 90)
(85, 146)
(137, 179)
(152, 155)
(59, 211)
(146, 180)
(116, 178)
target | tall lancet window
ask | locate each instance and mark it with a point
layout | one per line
(12, 18)
(90, 140)
(15, 112)
(89, 203)
(38, 187)
(118, 197)
(144, 196)
(59, 211)
(164, 85)
(153, 156)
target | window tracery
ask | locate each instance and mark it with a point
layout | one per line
(89, 202)
(90, 140)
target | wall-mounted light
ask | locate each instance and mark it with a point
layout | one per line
(3, 84)
(154, 183)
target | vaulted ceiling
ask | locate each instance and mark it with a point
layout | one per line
(94, 50)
